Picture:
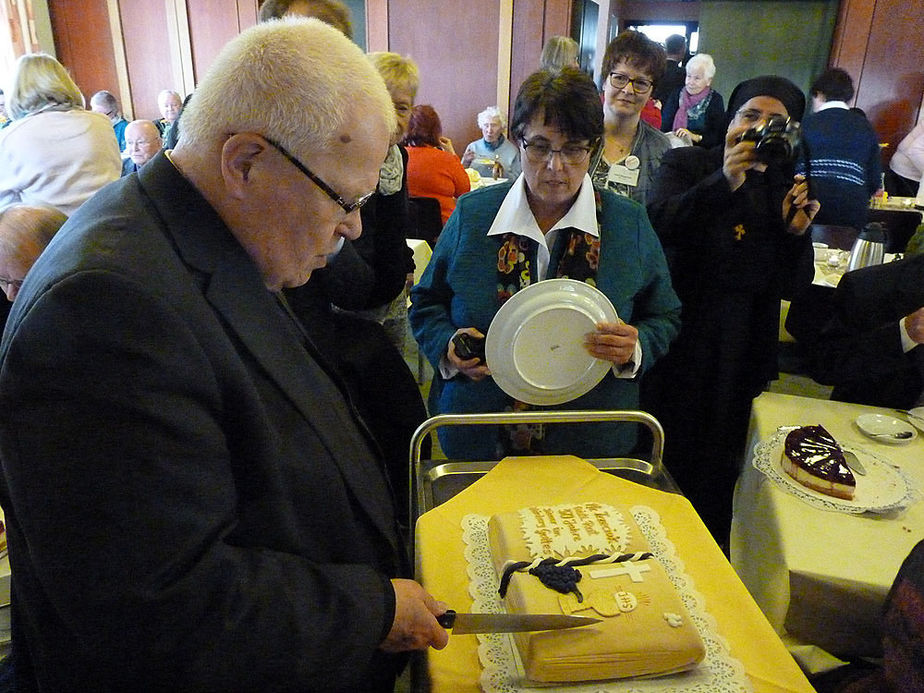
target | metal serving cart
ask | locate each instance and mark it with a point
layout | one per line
(434, 481)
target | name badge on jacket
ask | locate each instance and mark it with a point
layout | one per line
(625, 173)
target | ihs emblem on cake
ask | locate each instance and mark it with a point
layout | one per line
(605, 602)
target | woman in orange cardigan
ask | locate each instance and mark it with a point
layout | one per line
(433, 169)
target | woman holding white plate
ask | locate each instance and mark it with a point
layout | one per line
(548, 223)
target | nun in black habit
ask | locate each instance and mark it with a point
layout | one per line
(733, 224)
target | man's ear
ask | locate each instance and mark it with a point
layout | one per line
(238, 157)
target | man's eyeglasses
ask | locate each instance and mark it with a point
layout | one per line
(539, 151)
(7, 283)
(639, 85)
(347, 207)
(752, 115)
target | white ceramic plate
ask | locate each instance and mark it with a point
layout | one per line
(884, 488)
(919, 421)
(883, 428)
(535, 344)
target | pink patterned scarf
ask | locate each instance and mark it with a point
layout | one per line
(687, 103)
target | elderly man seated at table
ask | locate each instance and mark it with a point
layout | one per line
(142, 142)
(207, 511)
(872, 348)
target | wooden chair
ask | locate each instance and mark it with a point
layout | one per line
(840, 237)
(899, 226)
(426, 219)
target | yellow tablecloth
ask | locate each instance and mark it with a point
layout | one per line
(520, 481)
(821, 577)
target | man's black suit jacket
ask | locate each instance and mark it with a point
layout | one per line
(859, 351)
(191, 504)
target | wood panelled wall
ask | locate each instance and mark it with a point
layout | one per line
(879, 43)
(83, 44)
(456, 45)
(165, 45)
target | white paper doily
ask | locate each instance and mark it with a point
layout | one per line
(503, 672)
(882, 489)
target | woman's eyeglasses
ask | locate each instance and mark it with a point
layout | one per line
(541, 151)
(639, 85)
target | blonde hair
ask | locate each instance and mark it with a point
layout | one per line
(559, 52)
(398, 71)
(293, 80)
(40, 81)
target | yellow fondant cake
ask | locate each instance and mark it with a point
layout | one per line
(645, 629)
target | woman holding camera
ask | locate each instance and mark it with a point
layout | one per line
(732, 220)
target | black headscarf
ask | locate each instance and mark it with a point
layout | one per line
(779, 88)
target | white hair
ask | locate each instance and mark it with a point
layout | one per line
(489, 114)
(703, 60)
(293, 80)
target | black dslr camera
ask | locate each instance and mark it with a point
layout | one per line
(776, 141)
(468, 346)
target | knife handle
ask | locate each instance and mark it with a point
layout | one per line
(447, 619)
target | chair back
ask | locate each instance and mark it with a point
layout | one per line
(840, 237)
(899, 226)
(903, 625)
(426, 218)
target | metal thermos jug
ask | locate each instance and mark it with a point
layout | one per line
(869, 247)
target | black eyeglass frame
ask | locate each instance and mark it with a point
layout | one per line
(348, 207)
(630, 80)
(587, 151)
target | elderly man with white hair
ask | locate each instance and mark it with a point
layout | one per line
(206, 511)
(493, 153)
(142, 142)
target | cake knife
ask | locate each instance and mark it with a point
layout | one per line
(461, 624)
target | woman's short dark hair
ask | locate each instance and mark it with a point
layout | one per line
(639, 51)
(835, 84)
(568, 99)
(424, 127)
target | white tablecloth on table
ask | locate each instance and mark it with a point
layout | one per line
(422, 253)
(821, 577)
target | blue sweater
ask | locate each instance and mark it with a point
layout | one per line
(459, 289)
(845, 167)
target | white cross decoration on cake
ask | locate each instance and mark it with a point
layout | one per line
(631, 568)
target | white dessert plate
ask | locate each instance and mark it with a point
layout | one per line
(917, 418)
(535, 344)
(882, 489)
(886, 429)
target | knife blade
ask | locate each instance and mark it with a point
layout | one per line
(461, 624)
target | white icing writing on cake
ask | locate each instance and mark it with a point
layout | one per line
(673, 620)
(569, 530)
